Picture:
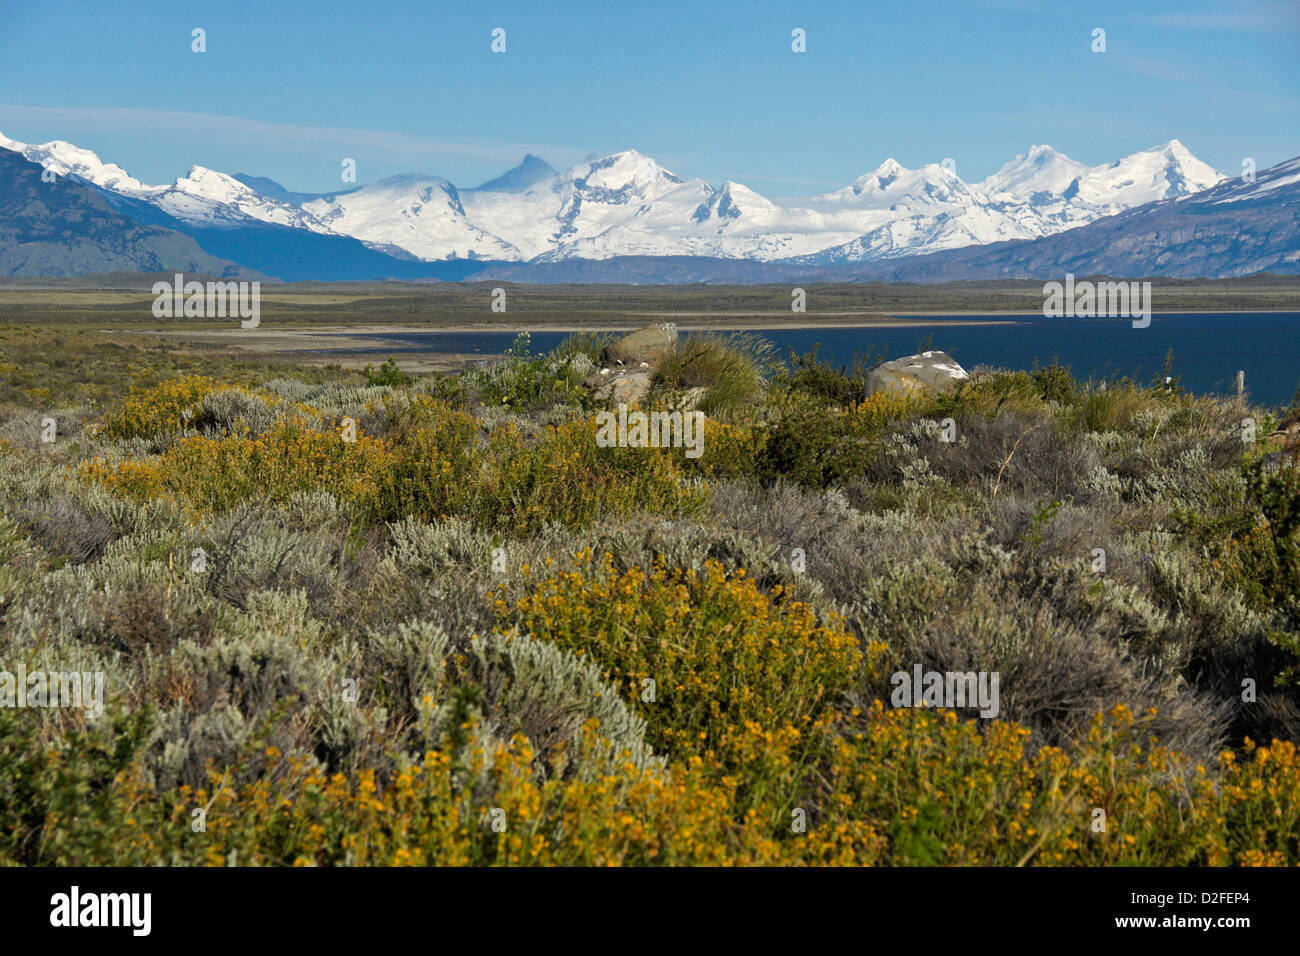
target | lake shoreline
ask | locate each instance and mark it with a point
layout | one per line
(1208, 348)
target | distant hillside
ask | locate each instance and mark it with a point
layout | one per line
(294, 255)
(417, 227)
(64, 228)
(1233, 229)
(626, 204)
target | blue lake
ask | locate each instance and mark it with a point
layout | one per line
(1208, 348)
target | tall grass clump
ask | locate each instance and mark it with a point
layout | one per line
(732, 369)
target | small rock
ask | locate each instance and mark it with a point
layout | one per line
(689, 400)
(626, 387)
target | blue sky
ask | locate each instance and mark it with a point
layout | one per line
(288, 89)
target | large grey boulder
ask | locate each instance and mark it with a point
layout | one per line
(650, 345)
(915, 373)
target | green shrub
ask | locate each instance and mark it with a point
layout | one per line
(387, 374)
(810, 376)
(1055, 383)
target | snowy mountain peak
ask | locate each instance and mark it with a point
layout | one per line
(531, 171)
(65, 159)
(931, 171)
(868, 184)
(206, 196)
(1176, 149)
(1196, 175)
(1161, 172)
(734, 201)
(880, 178)
(893, 186)
(1040, 172)
(622, 172)
(739, 190)
(1171, 152)
(415, 212)
(209, 184)
(625, 203)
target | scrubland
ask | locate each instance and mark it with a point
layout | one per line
(472, 636)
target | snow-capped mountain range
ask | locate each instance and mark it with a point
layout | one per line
(626, 204)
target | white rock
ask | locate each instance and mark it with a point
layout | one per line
(914, 373)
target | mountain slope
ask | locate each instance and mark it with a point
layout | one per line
(294, 255)
(1232, 229)
(203, 197)
(265, 186)
(1163, 172)
(64, 159)
(531, 171)
(1038, 194)
(626, 207)
(1042, 172)
(66, 228)
(421, 215)
(626, 204)
(221, 219)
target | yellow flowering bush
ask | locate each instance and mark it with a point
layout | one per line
(216, 473)
(951, 793)
(743, 679)
(873, 413)
(721, 653)
(564, 476)
(156, 411)
(293, 813)
(954, 793)
(1255, 808)
(432, 462)
(899, 787)
(730, 450)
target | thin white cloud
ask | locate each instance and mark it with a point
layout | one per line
(748, 177)
(1157, 69)
(290, 136)
(1252, 18)
(395, 147)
